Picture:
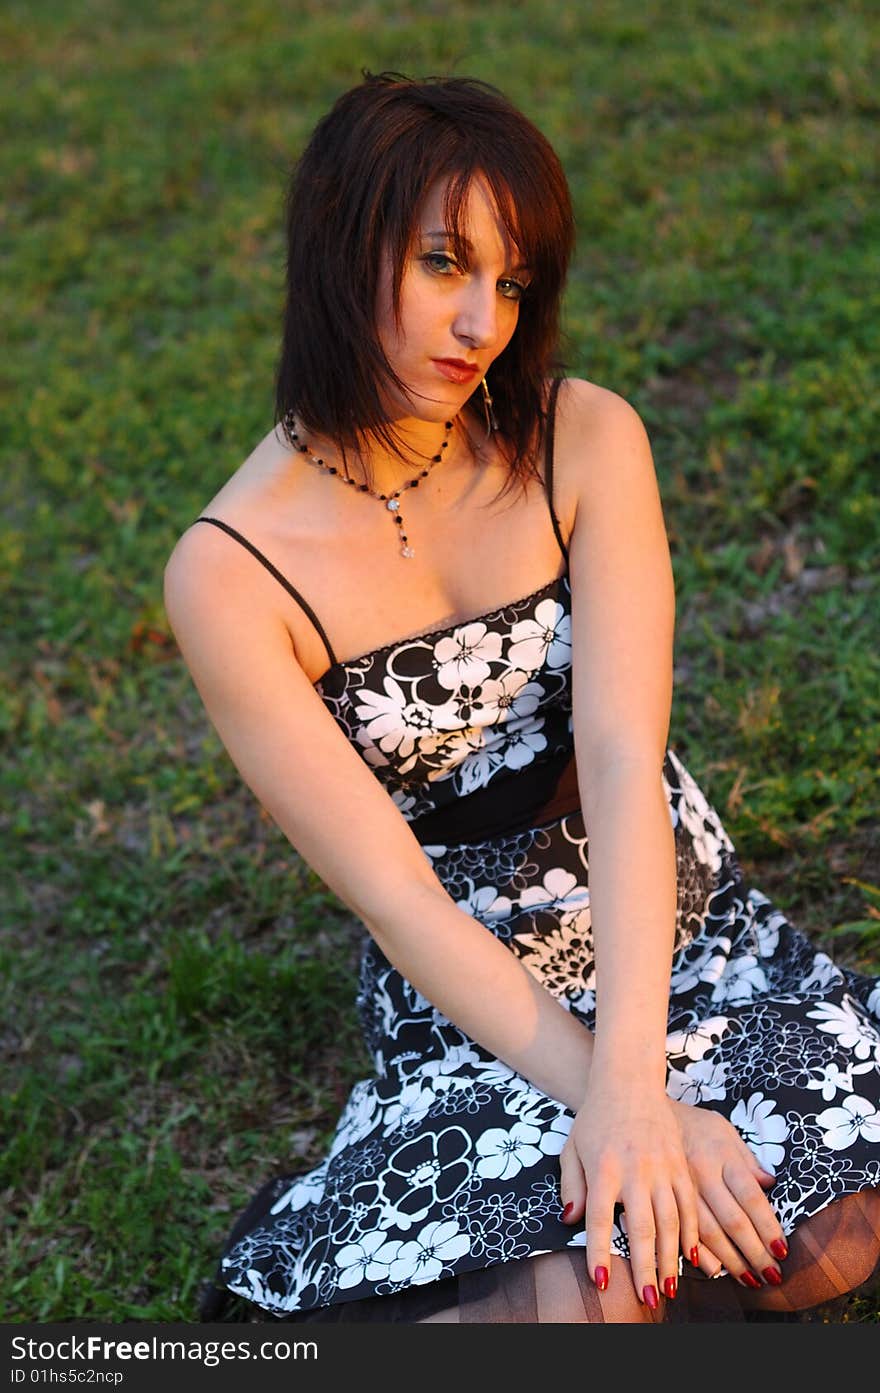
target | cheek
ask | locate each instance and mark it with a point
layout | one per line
(507, 326)
(420, 311)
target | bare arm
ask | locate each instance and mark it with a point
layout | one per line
(334, 812)
(623, 604)
(682, 1174)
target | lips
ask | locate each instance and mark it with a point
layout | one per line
(456, 369)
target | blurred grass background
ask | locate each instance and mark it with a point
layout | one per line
(177, 987)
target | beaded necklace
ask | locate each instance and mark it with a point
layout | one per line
(392, 500)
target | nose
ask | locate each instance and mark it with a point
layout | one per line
(476, 320)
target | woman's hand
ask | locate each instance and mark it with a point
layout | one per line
(738, 1228)
(626, 1146)
(686, 1180)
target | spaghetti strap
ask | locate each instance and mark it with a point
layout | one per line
(280, 578)
(548, 461)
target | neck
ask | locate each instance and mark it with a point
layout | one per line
(419, 440)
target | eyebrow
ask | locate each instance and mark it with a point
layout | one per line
(447, 237)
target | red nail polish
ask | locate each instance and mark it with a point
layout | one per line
(749, 1279)
(650, 1297)
(567, 1210)
(779, 1248)
(695, 1256)
(600, 1277)
(772, 1276)
(671, 1288)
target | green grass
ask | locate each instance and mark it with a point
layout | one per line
(177, 986)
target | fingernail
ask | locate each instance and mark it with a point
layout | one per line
(568, 1210)
(695, 1256)
(779, 1248)
(670, 1288)
(773, 1276)
(749, 1279)
(600, 1277)
(649, 1295)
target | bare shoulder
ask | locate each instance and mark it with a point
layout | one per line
(246, 502)
(578, 395)
(589, 415)
(601, 443)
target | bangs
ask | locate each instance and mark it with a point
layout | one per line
(537, 231)
(457, 192)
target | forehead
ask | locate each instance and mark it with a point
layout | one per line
(480, 219)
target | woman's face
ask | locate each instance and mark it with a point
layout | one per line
(454, 319)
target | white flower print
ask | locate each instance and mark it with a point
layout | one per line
(699, 819)
(415, 1002)
(412, 1102)
(698, 1082)
(559, 889)
(874, 1001)
(550, 1117)
(544, 639)
(822, 974)
(522, 741)
(762, 1128)
(422, 1258)
(505, 1153)
(508, 697)
(458, 1059)
(744, 977)
(698, 1039)
(561, 958)
(357, 1118)
(405, 803)
(487, 905)
(397, 726)
(472, 765)
(463, 657)
(852, 1032)
(766, 929)
(832, 1080)
(854, 1119)
(307, 1189)
(358, 1262)
(497, 1074)
(707, 966)
(252, 1286)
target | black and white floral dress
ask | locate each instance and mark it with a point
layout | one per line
(445, 1160)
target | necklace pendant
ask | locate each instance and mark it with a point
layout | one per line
(393, 504)
(407, 551)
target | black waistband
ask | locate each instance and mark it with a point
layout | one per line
(532, 796)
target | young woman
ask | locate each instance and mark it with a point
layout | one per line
(606, 1068)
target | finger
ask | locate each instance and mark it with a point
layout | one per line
(688, 1220)
(573, 1186)
(642, 1238)
(599, 1218)
(708, 1262)
(667, 1240)
(730, 1234)
(754, 1203)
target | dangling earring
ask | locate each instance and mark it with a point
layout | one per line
(491, 418)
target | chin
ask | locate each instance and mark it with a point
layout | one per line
(441, 403)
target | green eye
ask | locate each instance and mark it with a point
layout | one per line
(512, 290)
(445, 261)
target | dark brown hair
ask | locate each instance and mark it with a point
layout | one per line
(356, 190)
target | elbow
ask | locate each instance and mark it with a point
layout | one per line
(629, 772)
(401, 914)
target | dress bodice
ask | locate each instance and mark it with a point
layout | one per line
(482, 707)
